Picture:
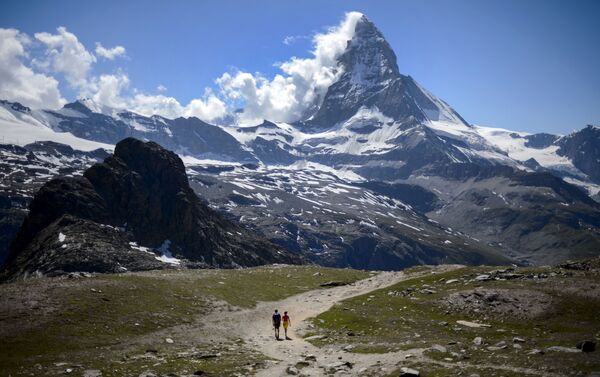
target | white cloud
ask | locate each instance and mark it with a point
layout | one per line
(208, 108)
(109, 53)
(288, 96)
(106, 90)
(291, 39)
(148, 105)
(66, 55)
(19, 82)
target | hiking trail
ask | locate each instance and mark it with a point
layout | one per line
(257, 331)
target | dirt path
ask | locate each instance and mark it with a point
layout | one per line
(302, 307)
(256, 330)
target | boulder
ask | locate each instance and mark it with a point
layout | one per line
(586, 346)
(409, 372)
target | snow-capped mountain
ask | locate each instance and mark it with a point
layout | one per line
(370, 80)
(84, 120)
(382, 172)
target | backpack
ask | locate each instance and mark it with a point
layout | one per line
(276, 318)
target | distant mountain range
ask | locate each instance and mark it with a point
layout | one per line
(380, 174)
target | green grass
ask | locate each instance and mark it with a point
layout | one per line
(381, 321)
(94, 320)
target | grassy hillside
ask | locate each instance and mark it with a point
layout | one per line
(125, 324)
(522, 313)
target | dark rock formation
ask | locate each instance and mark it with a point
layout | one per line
(583, 148)
(23, 170)
(140, 194)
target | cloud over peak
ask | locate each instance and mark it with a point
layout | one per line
(288, 96)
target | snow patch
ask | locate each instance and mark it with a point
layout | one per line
(165, 254)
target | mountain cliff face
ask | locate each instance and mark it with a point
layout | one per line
(378, 175)
(133, 211)
(23, 170)
(583, 149)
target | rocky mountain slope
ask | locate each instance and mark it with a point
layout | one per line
(377, 131)
(134, 211)
(23, 170)
(337, 222)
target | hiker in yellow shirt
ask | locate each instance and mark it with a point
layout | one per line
(286, 323)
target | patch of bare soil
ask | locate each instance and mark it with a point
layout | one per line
(17, 305)
(508, 303)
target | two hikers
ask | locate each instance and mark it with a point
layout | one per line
(277, 323)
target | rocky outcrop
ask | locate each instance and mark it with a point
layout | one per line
(124, 211)
(23, 170)
(583, 148)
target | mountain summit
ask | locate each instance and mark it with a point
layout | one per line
(371, 79)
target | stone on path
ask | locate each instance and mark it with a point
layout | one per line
(292, 370)
(92, 373)
(562, 349)
(310, 358)
(472, 324)
(409, 372)
(302, 364)
(535, 351)
(316, 337)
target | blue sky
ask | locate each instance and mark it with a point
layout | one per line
(524, 65)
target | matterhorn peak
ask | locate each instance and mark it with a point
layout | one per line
(370, 79)
(369, 58)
